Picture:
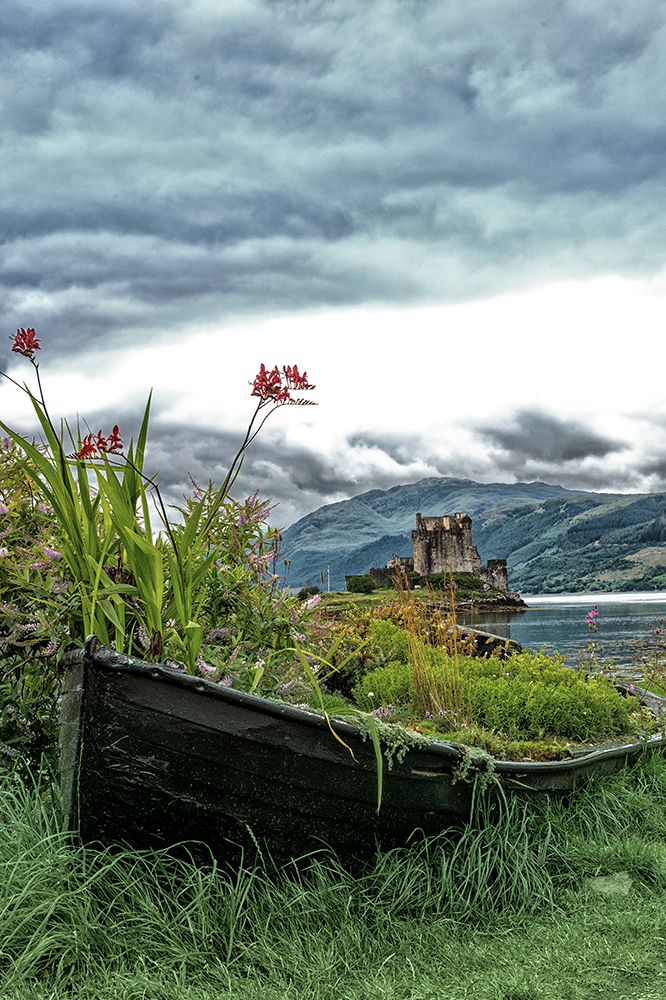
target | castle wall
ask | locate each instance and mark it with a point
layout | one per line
(496, 574)
(382, 575)
(443, 542)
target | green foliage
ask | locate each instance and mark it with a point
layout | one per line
(528, 695)
(387, 685)
(212, 600)
(395, 740)
(466, 586)
(245, 619)
(87, 528)
(360, 584)
(39, 613)
(29, 710)
(500, 907)
(391, 639)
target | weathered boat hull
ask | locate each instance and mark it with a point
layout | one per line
(151, 756)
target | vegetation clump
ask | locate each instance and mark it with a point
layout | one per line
(417, 673)
(528, 695)
(361, 584)
(465, 586)
(79, 555)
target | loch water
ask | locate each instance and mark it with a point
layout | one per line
(558, 622)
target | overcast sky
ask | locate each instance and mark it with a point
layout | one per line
(451, 213)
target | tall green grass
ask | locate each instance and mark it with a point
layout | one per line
(81, 922)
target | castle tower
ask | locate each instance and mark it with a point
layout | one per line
(443, 542)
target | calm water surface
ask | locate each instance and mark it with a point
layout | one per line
(558, 622)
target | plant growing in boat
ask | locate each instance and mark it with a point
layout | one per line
(531, 698)
(127, 577)
(527, 705)
(653, 662)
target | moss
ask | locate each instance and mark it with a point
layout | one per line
(396, 740)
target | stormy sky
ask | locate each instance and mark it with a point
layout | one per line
(452, 214)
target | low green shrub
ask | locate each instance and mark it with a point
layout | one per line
(391, 639)
(387, 685)
(360, 584)
(465, 585)
(527, 696)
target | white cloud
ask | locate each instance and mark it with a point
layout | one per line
(449, 214)
(561, 383)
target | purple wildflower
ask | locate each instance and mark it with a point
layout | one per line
(217, 633)
(203, 666)
(282, 688)
(382, 712)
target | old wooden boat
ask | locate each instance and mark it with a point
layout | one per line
(151, 756)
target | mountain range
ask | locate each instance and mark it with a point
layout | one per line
(555, 540)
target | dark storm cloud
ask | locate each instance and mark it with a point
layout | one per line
(548, 439)
(175, 161)
(297, 478)
(653, 467)
(400, 448)
(302, 478)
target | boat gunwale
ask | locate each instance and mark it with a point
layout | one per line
(98, 656)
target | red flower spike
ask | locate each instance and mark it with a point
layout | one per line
(25, 342)
(269, 385)
(114, 442)
(294, 379)
(88, 448)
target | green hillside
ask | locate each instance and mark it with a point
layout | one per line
(555, 540)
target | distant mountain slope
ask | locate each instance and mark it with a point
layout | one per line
(554, 539)
(351, 536)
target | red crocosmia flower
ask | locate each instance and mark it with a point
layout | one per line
(88, 448)
(294, 379)
(25, 342)
(114, 441)
(267, 385)
(270, 388)
(92, 444)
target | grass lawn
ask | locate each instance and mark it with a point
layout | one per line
(468, 588)
(342, 600)
(510, 907)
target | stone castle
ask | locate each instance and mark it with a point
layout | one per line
(440, 544)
